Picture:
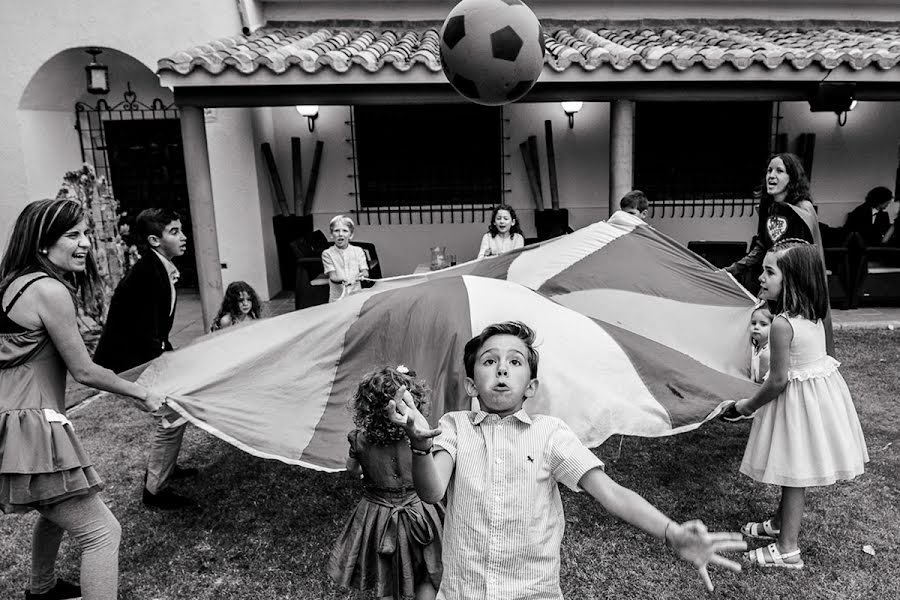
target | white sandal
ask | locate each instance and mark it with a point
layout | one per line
(761, 531)
(775, 559)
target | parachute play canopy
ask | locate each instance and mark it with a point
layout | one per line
(636, 334)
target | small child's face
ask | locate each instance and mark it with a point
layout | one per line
(503, 221)
(502, 376)
(341, 234)
(759, 328)
(245, 304)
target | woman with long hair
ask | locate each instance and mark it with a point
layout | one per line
(785, 211)
(46, 272)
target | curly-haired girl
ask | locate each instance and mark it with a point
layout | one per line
(504, 233)
(240, 303)
(392, 542)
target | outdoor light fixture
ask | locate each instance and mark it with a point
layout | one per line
(311, 113)
(570, 108)
(97, 74)
(834, 97)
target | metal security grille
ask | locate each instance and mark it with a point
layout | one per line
(427, 164)
(90, 122)
(137, 148)
(702, 159)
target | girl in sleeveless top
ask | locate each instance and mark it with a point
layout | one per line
(805, 429)
(46, 269)
(392, 541)
(504, 233)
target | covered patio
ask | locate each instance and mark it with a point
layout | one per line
(616, 62)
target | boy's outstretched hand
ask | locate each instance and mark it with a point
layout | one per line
(692, 542)
(402, 411)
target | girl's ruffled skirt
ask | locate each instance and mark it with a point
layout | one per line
(41, 461)
(391, 542)
(810, 435)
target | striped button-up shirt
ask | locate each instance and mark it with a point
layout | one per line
(504, 520)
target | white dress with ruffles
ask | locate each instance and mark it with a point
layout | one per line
(810, 435)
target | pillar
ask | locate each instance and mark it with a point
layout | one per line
(621, 151)
(203, 214)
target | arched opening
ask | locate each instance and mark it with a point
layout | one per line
(131, 135)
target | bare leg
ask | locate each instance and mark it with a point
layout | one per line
(793, 501)
(425, 591)
(776, 518)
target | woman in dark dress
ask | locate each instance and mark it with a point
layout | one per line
(785, 211)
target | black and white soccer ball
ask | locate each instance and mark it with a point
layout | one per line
(492, 51)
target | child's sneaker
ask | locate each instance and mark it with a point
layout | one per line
(63, 590)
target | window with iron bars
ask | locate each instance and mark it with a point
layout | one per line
(701, 159)
(428, 163)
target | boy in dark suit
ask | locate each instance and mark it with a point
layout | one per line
(137, 331)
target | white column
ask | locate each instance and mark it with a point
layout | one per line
(621, 151)
(203, 214)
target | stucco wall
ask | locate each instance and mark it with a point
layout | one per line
(239, 220)
(849, 160)
(50, 148)
(35, 32)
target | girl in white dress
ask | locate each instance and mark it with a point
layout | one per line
(805, 429)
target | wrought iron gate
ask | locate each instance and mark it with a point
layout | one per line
(137, 148)
(90, 124)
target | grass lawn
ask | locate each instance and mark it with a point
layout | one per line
(265, 529)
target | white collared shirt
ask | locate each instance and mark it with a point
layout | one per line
(504, 520)
(173, 273)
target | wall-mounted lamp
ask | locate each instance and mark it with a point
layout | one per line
(311, 112)
(97, 74)
(570, 108)
(834, 97)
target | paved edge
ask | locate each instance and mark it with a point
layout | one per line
(890, 325)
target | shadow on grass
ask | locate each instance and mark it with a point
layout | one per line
(264, 529)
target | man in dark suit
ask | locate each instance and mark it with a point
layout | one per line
(870, 219)
(868, 226)
(137, 331)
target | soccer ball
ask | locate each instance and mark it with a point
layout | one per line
(492, 51)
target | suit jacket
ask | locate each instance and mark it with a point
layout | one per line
(860, 220)
(139, 318)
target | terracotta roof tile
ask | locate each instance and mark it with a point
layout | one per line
(373, 46)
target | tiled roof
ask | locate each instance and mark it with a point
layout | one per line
(374, 46)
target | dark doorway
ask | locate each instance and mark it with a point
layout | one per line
(146, 169)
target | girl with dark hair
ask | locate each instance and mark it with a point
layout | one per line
(805, 428)
(504, 233)
(240, 304)
(785, 211)
(392, 542)
(45, 272)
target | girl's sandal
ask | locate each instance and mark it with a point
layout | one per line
(761, 531)
(769, 556)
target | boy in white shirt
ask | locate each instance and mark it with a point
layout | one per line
(500, 468)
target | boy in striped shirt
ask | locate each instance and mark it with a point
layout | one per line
(500, 468)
